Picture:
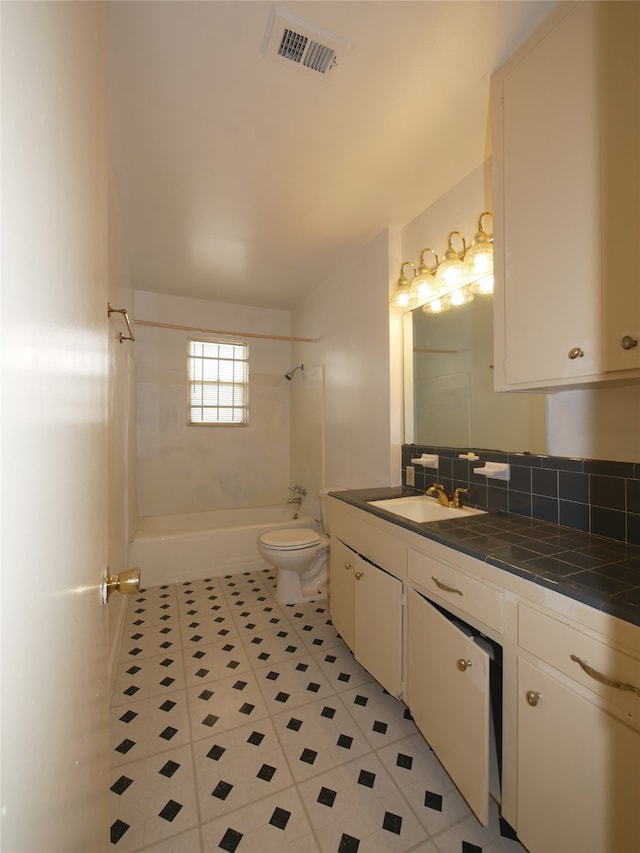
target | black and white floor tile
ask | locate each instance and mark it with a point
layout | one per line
(241, 724)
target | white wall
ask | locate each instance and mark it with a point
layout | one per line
(349, 314)
(192, 468)
(596, 424)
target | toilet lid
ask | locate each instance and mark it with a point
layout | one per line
(294, 537)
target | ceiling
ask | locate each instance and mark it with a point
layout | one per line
(247, 180)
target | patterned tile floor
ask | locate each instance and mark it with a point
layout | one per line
(239, 724)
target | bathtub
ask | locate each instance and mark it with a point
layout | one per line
(188, 546)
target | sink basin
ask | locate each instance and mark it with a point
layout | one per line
(422, 509)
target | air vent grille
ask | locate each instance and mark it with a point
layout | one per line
(292, 46)
(301, 45)
(319, 57)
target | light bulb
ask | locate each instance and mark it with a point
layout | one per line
(400, 296)
(478, 260)
(438, 305)
(451, 271)
(461, 296)
(423, 284)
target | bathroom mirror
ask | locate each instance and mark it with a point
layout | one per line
(448, 385)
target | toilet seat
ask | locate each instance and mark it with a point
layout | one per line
(295, 538)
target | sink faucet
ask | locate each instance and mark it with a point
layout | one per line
(457, 497)
(437, 490)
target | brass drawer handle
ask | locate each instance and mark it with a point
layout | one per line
(446, 588)
(603, 679)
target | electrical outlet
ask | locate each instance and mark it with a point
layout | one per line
(410, 472)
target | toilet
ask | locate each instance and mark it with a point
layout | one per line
(300, 556)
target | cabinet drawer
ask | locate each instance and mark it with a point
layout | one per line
(555, 642)
(456, 588)
(373, 544)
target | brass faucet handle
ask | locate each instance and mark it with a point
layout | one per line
(436, 486)
(457, 497)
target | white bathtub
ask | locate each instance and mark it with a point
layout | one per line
(175, 548)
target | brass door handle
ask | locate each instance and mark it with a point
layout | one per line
(126, 582)
(604, 679)
(446, 588)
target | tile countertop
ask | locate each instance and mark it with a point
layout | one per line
(600, 572)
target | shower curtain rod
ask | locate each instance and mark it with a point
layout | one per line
(225, 332)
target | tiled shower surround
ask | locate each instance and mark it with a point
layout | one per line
(587, 494)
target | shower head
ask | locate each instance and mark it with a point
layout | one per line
(289, 375)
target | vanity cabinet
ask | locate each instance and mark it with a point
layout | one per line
(366, 610)
(578, 738)
(566, 134)
(448, 695)
(566, 768)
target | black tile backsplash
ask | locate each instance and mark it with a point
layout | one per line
(592, 495)
(544, 481)
(573, 486)
(607, 491)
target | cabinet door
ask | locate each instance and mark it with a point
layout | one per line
(578, 771)
(378, 625)
(567, 201)
(551, 208)
(341, 606)
(448, 696)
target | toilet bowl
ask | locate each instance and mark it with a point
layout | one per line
(300, 556)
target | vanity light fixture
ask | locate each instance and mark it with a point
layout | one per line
(400, 298)
(423, 284)
(452, 281)
(478, 260)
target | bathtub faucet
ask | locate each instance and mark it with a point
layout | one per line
(297, 493)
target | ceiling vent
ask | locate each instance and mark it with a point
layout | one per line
(301, 45)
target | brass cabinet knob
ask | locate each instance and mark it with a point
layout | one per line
(348, 566)
(628, 342)
(463, 664)
(533, 697)
(126, 582)
(359, 575)
(575, 352)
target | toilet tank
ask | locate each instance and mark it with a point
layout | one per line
(325, 515)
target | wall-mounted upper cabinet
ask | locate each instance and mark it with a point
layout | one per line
(566, 136)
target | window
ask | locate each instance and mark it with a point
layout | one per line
(218, 383)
